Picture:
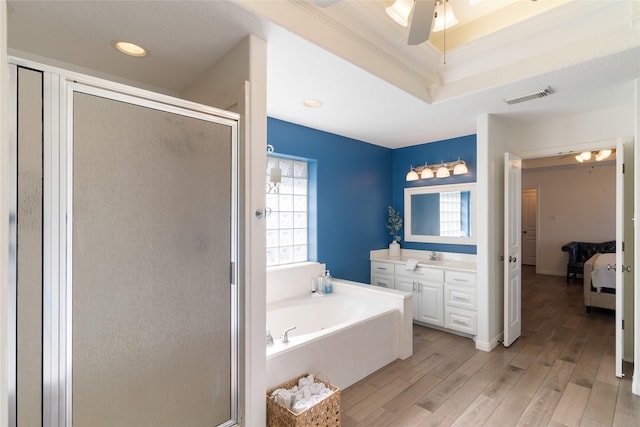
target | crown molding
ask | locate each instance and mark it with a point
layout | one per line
(334, 29)
(361, 33)
(566, 25)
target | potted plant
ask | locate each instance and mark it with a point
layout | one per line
(394, 224)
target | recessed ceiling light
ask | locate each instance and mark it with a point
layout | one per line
(130, 49)
(312, 103)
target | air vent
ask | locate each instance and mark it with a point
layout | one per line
(529, 96)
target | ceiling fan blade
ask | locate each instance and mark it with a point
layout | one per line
(421, 21)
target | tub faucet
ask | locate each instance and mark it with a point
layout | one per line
(269, 337)
(285, 335)
(433, 256)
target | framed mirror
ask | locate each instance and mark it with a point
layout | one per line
(440, 214)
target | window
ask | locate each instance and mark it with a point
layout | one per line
(287, 223)
(451, 206)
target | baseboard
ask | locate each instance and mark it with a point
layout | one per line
(489, 345)
(635, 384)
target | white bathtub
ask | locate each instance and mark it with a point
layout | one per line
(347, 335)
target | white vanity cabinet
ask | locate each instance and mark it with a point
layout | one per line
(444, 291)
(382, 274)
(460, 301)
(427, 287)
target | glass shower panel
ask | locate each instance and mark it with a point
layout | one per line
(151, 255)
(29, 265)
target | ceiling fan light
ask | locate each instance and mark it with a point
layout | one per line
(586, 155)
(412, 175)
(442, 172)
(400, 10)
(445, 18)
(603, 154)
(579, 158)
(426, 173)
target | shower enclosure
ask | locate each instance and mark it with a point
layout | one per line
(138, 286)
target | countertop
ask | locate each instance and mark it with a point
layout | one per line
(448, 260)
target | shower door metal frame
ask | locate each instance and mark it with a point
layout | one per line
(59, 87)
(12, 301)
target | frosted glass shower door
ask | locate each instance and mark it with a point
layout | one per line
(153, 232)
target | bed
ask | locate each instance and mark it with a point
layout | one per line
(600, 282)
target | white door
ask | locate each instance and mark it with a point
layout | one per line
(512, 241)
(529, 229)
(620, 261)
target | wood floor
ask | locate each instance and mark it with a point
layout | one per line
(560, 372)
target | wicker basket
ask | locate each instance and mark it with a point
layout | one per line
(325, 413)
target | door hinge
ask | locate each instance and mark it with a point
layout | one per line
(622, 247)
(232, 274)
(622, 323)
(623, 168)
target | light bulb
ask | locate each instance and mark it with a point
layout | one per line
(445, 18)
(400, 11)
(426, 173)
(461, 168)
(442, 172)
(412, 175)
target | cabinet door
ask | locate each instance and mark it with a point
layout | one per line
(406, 284)
(431, 303)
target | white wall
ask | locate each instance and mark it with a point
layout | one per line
(635, 387)
(572, 133)
(492, 140)
(224, 86)
(4, 212)
(575, 204)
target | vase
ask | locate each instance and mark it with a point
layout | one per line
(394, 249)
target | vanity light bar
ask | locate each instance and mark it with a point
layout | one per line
(438, 170)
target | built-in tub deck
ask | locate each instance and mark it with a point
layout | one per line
(347, 335)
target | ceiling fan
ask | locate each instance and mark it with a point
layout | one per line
(598, 155)
(421, 14)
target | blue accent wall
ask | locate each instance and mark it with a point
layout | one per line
(354, 187)
(354, 182)
(431, 153)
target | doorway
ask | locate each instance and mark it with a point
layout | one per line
(580, 205)
(529, 225)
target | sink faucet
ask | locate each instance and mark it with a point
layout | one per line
(285, 335)
(433, 256)
(269, 337)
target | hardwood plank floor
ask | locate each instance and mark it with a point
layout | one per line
(560, 372)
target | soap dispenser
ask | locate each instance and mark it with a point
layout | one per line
(328, 286)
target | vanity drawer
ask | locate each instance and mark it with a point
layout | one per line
(460, 296)
(460, 278)
(421, 273)
(383, 280)
(378, 267)
(460, 320)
